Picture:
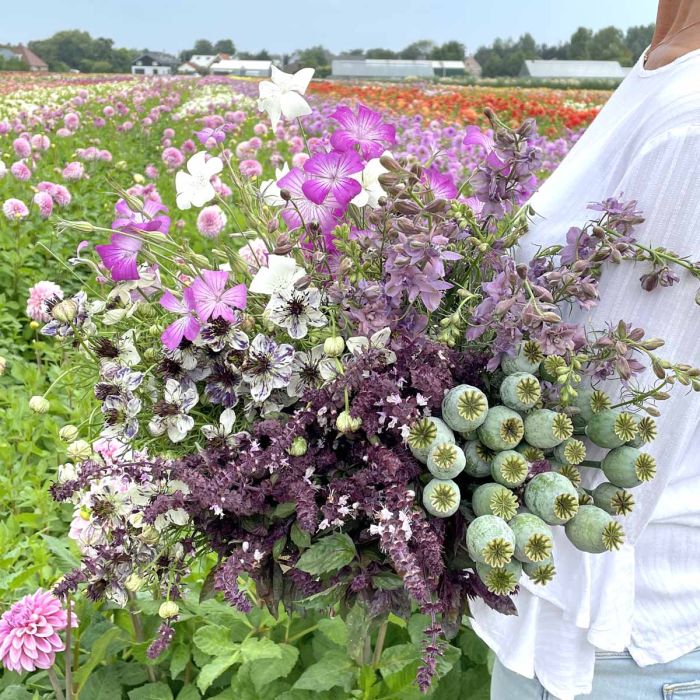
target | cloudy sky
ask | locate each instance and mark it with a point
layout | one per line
(284, 25)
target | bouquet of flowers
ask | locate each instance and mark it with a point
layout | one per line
(358, 399)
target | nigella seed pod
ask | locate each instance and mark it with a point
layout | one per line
(509, 468)
(502, 429)
(133, 583)
(527, 358)
(168, 610)
(502, 580)
(446, 460)
(39, 404)
(441, 497)
(520, 391)
(611, 428)
(464, 408)
(65, 311)
(68, 433)
(345, 423)
(333, 346)
(628, 467)
(490, 540)
(79, 450)
(594, 531)
(299, 447)
(478, 459)
(613, 499)
(533, 537)
(552, 497)
(546, 429)
(540, 573)
(425, 433)
(494, 499)
(571, 451)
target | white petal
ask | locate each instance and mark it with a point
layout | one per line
(214, 166)
(301, 79)
(197, 162)
(293, 105)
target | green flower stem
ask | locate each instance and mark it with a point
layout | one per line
(57, 380)
(55, 684)
(379, 645)
(299, 635)
(69, 669)
(135, 616)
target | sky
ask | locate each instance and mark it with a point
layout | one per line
(281, 26)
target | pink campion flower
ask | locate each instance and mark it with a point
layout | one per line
(22, 147)
(15, 209)
(71, 121)
(63, 132)
(60, 195)
(73, 171)
(38, 294)
(187, 326)
(255, 143)
(213, 300)
(189, 146)
(136, 221)
(304, 211)
(298, 159)
(441, 186)
(260, 129)
(331, 174)
(44, 203)
(364, 129)
(40, 142)
(29, 632)
(211, 221)
(120, 256)
(108, 111)
(243, 149)
(20, 170)
(250, 167)
(172, 157)
(151, 172)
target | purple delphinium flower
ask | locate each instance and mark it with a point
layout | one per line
(441, 186)
(364, 129)
(187, 326)
(301, 211)
(268, 366)
(213, 300)
(331, 174)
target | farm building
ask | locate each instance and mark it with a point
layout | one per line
(472, 66)
(572, 69)
(22, 53)
(234, 66)
(154, 63)
(443, 69)
(381, 68)
(188, 68)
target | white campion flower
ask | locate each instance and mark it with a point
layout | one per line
(371, 188)
(194, 187)
(270, 191)
(282, 94)
(278, 277)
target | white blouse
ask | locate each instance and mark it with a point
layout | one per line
(645, 144)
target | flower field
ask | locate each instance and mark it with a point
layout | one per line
(70, 147)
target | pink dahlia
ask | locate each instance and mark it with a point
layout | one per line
(172, 157)
(29, 632)
(73, 171)
(22, 147)
(20, 170)
(39, 293)
(15, 209)
(250, 167)
(211, 221)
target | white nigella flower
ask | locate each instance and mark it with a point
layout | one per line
(270, 191)
(120, 417)
(379, 341)
(280, 275)
(282, 94)
(120, 352)
(369, 179)
(268, 367)
(310, 370)
(223, 429)
(295, 310)
(194, 188)
(171, 412)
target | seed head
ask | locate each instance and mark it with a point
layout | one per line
(498, 552)
(538, 547)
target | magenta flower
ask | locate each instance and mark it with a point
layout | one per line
(119, 256)
(213, 300)
(474, 136)
(441, 186)
(364, 129)
(29, 632)
(331, 174)
(187, 326)
(301, 211)
(135, 221)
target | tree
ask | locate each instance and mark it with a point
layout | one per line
(580, 44)
(608, 44)
(449, 51)
(203, 47)
(417, 50)
(380, 53)
(225, 46)
(638, 38)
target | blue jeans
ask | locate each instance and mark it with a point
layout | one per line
(617, 677)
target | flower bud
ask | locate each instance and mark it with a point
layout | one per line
(149, 535)
(145, 311)
(3, 365)
(150, 354)
(334, 346)
(65, 311)
(39, 404)
(298, 447)
(168, 610)
(285, 195)
(82, 226)
(133, 583)
(34, 325)
(67, 472)
(345, 423)
(68, 433)
(79, 450)
(155, 331)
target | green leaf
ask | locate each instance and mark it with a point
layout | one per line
(333, 669)
(278, 547)
(396, 620)
(387, 582)
(284, 510)
(328, 554)
(301, 538)
(211, 671)
(129, 673)
(325, 598)
(472, 647)
(253, 649)
(416, 624)
(179, 660)
(214, 640)
(15, 692)
(98, 652)
(397, 657)
(103, 684)
(61, 550)
(188, 692)
(358, 623)
(335, 629)
(264, 671)
(151, 691)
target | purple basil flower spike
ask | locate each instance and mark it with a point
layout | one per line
(364, 129)
(331, 174)
(187, 326)
(213, 300)
(119, 256)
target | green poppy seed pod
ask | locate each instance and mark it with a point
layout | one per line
(65, 311)
(446, 460)
(533, 537)
(299, 447)
(494, 499)
(612, 499)
(464, 408)
(168, 610)
(441, 497)
(502, 580)
(425, 433)
(570, 471)
(520, 391)
(502, 429)
(593, 530)
(531, 453)
(345, 423)
(571, 451)
(611, 428)
(584, 497)
(39, 404)
(477, 459)
(509, 468)
(68, 433)
(527, 358)
(541, 572)
(628, 467)
(552, 497)
(490, 540)
(546, 429)
(334, 346)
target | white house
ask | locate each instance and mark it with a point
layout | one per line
(235, 66)
(154, 63)
(203, 62)
(188, 68)
(541, 68)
